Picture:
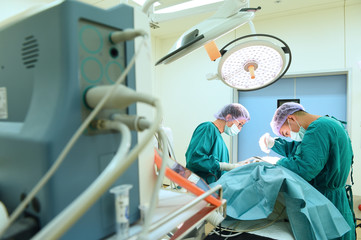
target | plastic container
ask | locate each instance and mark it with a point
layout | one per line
(121, 199)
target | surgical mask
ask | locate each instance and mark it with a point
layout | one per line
(231, 131)
(297, 136)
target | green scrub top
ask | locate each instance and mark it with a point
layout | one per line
(206, 149)
(323, 158)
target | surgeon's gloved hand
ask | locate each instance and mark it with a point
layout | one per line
(266, 142)
(252, 160)
(228, 166)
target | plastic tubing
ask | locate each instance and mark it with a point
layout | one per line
(60, 224)
(137, 123)
(153, 201)
(82, 203)
(126, 35)
(68, 147)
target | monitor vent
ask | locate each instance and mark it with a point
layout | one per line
(30, 51)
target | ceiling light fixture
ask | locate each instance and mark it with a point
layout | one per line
(253, 64)
(231, 15)
(256, 62)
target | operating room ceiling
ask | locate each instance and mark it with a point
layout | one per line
(270, 8)
(178, 23)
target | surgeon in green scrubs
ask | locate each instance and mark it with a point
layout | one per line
(207, 154)
(320, 152)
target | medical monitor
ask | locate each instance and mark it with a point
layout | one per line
(282, 101)
(49, 58)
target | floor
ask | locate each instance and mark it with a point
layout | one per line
(358, 230)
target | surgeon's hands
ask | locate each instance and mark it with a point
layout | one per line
(228, 166)
(250, 160)
(266, 142)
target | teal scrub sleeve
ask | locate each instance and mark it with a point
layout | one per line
(200, 155)
(200, 161)
(285, 148)
(312, 153)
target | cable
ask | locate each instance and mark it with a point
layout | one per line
(64, 220)
(56, 227)
(166, 144)
(68, 146)
(126, 35)
(121, 97)
(136, 123)
(170, 148)
(154, 198)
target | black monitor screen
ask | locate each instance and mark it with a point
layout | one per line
(282, 101)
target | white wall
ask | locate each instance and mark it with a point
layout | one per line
(320, 41)
(353, 56)
(144, 84)
(187, 96)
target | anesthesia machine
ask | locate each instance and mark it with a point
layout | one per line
(50, 57)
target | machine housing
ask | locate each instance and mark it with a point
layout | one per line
(49, 58)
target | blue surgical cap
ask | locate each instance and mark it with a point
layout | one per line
(281, 115)
(236, 110)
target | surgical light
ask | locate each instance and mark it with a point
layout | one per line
(253, 64)
(231, 15)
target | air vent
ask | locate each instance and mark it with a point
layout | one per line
(30, 52)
